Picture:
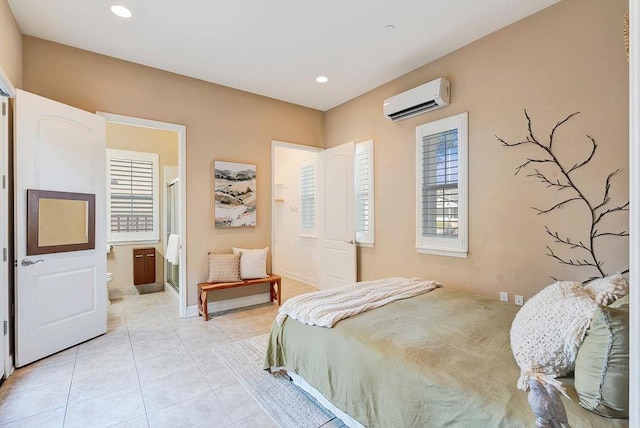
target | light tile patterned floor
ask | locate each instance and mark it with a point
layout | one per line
(151, 369)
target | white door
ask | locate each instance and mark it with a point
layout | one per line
(4, 242)
(61, 298)
(336, 220)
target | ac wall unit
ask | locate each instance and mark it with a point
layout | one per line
(421, 99)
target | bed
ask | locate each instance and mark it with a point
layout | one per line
(438, 359)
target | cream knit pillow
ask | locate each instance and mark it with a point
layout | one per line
(547, 332)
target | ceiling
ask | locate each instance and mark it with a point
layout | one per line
(275, 48)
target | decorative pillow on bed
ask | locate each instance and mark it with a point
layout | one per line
(253, 263)
(224, 268)
(606, 290)
(547, 332)
(602, 365)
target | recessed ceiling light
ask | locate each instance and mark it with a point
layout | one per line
(121, 11)
(322, 79)
(390, 27)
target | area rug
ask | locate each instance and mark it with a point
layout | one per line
(289, 406)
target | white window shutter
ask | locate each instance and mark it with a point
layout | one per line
(132, 196)
(364, 193)
(308, 197)
(131, 187)
(440, 184)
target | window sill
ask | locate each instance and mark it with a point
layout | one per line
(365, 244)
(439, 252)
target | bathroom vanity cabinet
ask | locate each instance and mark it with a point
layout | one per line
(144, 265)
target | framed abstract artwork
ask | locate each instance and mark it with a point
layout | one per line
(235, 194)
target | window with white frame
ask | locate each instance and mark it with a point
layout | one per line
(441, 184)
(132, 196)
(308, 198)
(364, 221)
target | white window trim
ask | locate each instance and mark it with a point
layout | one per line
(367, 239)
(126, 238)
(309, 233)
(445, 246)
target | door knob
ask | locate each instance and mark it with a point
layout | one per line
(350, 242)
(27, 262)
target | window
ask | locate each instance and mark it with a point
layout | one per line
(308, 198)
(364, 194)
(441, 184)
(132, 196)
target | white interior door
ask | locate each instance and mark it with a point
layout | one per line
(5, 359)
(62, 300)
(336, 220)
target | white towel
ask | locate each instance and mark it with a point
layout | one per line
(173, 249)
(327, 307)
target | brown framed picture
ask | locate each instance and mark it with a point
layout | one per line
(58, 222)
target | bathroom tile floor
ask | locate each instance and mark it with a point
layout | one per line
(151, 369)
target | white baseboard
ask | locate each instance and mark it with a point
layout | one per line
(192, 311)
(298, 277)
(228, 304)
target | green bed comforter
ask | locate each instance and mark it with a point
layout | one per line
(439, 359)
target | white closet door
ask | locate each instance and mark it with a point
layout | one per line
(336, 219)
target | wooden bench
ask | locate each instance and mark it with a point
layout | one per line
(275, 290)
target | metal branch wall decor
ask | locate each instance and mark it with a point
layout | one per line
(599, 209)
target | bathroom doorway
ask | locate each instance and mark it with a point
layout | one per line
(146, 231)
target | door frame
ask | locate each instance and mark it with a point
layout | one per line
(6, 359)
(294, 146)
(634, 214)
(181, 130)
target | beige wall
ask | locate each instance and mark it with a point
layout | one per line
(567, 58)
(222, 123)
(139, 139)
(10, 45)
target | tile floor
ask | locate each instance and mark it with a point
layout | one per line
(151, 369)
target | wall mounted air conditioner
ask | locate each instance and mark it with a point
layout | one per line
(421, 99)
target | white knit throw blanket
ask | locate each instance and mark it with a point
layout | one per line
(327, 307)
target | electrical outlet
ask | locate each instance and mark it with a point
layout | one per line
(519, 300)
(504, 296)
